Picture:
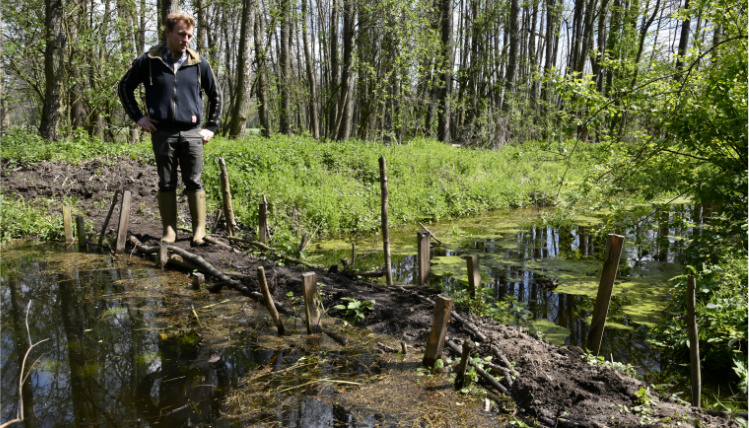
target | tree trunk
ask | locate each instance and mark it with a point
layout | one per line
(446, 29)
(243, 93)
(165, 8)
(512, 63)
(202, 24)
(76, 26)
(142, 28)
(284, 60)
(261, 85)
(314, 121)
(333, 84)
(345, 105)
(4, 117)
(53, 69)
(684, 39)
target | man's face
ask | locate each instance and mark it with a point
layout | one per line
(178, 39)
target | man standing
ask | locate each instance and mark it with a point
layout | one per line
(175, 77)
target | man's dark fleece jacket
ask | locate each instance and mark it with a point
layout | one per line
(174, 100)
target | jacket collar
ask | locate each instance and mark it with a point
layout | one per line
(192, 56)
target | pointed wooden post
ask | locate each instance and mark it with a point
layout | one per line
(231, 225)
(109, 215)
(694, 343)
(163, 255)
(124, 219)
(385, 233)
(262, 216)
(443, 305)
(309, 280)
(474, 275)
(614, 244)
(460, 376)
(80, 228)
(67, 222)
(423, 256)
(269, 300)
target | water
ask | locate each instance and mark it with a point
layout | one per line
(130, 345)
(553, 272)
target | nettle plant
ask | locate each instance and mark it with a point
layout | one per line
(356, 310)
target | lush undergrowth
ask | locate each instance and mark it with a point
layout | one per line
(334, 187)
(329, 188)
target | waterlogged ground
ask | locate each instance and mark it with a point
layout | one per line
(554, 272)
(130, 345)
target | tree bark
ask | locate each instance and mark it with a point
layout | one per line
(314, 121)
(284, 60)
(76, 26)
(345, 106)
(165, 8)
(202, 24)
(261, 73)
(446, 29)
(243, 93)
(683, 39)
(4, 117)
(53, 69)
(333, 83)
(512, 62)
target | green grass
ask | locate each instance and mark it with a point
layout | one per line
(332, 188)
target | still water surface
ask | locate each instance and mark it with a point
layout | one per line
(132, 345)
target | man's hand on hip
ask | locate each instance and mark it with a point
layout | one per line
(207, 135)
(147, 123)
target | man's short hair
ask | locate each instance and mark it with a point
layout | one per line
(173, 18)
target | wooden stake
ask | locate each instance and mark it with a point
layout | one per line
(311, 299)
(163, 255)
(385, 233)
(109, 216)
(694, 342)
(198, 279)
(124, 219)
(614, 244)
(217, 219)
(302, 244)
(67, 221)
(262, 215)
(231, 225)
(460, 376)
(80, 228)
(474, 275)
(269, 300)
(442, 307)
(423, 256)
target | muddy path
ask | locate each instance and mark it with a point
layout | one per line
(552, 386)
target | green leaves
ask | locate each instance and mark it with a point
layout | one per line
(356, 310)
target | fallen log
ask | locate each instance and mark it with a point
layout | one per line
(200, 263)
(275, 252)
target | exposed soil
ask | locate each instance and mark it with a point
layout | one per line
(554, 386)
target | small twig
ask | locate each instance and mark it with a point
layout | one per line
(21, 378)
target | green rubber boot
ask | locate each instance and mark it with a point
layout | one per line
(168, 210)
(196, 201)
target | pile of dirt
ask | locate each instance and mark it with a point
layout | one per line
(552, 386)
